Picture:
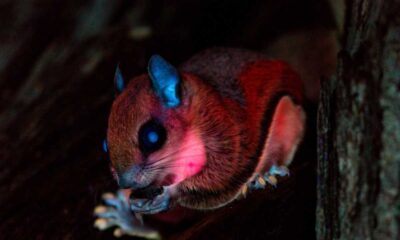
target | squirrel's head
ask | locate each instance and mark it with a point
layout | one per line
(151, 136)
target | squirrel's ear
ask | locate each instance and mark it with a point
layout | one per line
(165, 80)
(119, 82)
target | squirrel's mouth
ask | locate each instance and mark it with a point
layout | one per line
(154, 189)
(167, 180)
(149, 192)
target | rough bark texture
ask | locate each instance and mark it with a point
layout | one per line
(359, 129)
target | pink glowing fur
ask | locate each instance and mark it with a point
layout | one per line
(285, 133)
(191, 159)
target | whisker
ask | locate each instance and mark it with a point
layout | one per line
(168, 161)
(165, 167)
(165, 158)
(155, 167)
(175, 152)
(168, 165)
(162, 163)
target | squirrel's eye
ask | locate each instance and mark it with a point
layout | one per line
(152, 136)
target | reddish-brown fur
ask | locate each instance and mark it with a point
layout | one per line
(230, 110)
(262, 81)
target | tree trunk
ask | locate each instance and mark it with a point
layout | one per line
(359, 129)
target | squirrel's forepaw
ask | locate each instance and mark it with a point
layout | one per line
(259, 181)
(151, 206)
(117, 213)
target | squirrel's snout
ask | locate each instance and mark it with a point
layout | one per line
(128, 180)
(126, 183)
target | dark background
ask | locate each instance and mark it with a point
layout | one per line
(57, 60)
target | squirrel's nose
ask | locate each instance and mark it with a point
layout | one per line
(124, 182)
(127, 179)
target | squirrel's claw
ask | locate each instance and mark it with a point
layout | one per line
(278, 170)
(103, 223)
(274, 171)
(271, 179)
(117, 212)
(259, 182)
(145, 206)
(244, 190)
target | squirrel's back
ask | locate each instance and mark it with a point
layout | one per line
(220, 67)
(253, 80)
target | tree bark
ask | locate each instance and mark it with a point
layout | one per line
(359, 129)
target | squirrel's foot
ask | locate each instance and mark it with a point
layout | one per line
(151, 206)
(117, 213)
(260, 181)
(274, 171)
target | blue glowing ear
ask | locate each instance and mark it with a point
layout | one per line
(165, 79)
(119, 82)
(105, 146)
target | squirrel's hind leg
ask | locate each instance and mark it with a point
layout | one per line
(284, 135)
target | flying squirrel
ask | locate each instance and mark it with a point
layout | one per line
(199, 136)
